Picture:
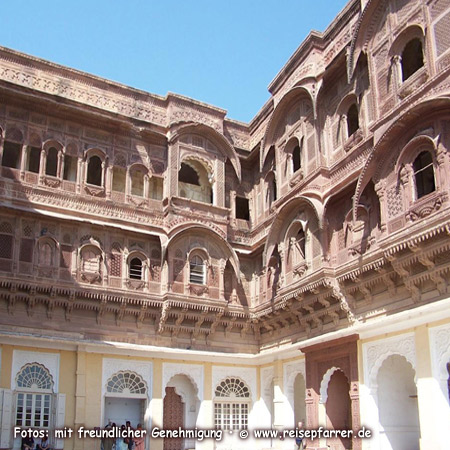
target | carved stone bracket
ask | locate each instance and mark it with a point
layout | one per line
(198, 289)
(95, 191)
(91, 277)
(426, 206)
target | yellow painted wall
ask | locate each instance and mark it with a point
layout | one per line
(6, 366)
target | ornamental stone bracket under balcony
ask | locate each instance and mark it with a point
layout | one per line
(95, 191)
(426, 206)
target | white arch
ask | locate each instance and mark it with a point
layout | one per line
(326, 381)
(194, 372)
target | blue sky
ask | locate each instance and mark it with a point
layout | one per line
(221, 52)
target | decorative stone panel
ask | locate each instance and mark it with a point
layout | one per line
(49, 360)
(193, 371)
(374, 353)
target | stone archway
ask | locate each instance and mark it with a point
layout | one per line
(299, 399)
(338, 409)
(397, 405)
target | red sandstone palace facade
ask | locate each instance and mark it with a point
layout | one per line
(164, 264)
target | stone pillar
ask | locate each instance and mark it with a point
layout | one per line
(205, 419)
(60, 165)
(103, 174)
(380, 189)
(42, 166)
(108, 182)
(23, 161)
(165, 277)
(397, 68)
(80, 172)
(146, 186)
(1, 148)
(222, 280)
(172, 172)
(80, 394)
(219, 194)
(278, 401)
(157, 404)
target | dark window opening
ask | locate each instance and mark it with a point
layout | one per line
(136, 269)
(34, 159)
(296, 161)
(301, 242)
(94, 175)
(70, 168)
(51, 166)
(352, 119)
(412, 58)
(274, 189)
(424, 174)
(242, 208)
(188, 175)
(11, 155)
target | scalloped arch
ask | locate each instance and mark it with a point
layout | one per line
(280, 109)
(326, 381)
(219, 239)
(428, 108)
(190, 378)
(276, 229)
(181, 128)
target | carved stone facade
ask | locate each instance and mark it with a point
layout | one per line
(157, 238)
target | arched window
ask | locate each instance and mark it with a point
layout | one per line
(129, 383)
(51, 166)
(424, 174)
(188, 175)
(352, 120)
(412, 58)
(94, 171)
(135, 269)
(197, 270)
(34, 396)
(296, 159)
(194, 182)
(231, 404)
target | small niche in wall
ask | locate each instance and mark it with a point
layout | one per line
(242, 208)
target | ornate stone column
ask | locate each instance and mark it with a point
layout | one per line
(23, 161)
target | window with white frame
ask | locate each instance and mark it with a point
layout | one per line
(197, 270)
(34, 397)
(231, 405)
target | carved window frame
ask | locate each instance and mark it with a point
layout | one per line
(95, 189)
(414, 31)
